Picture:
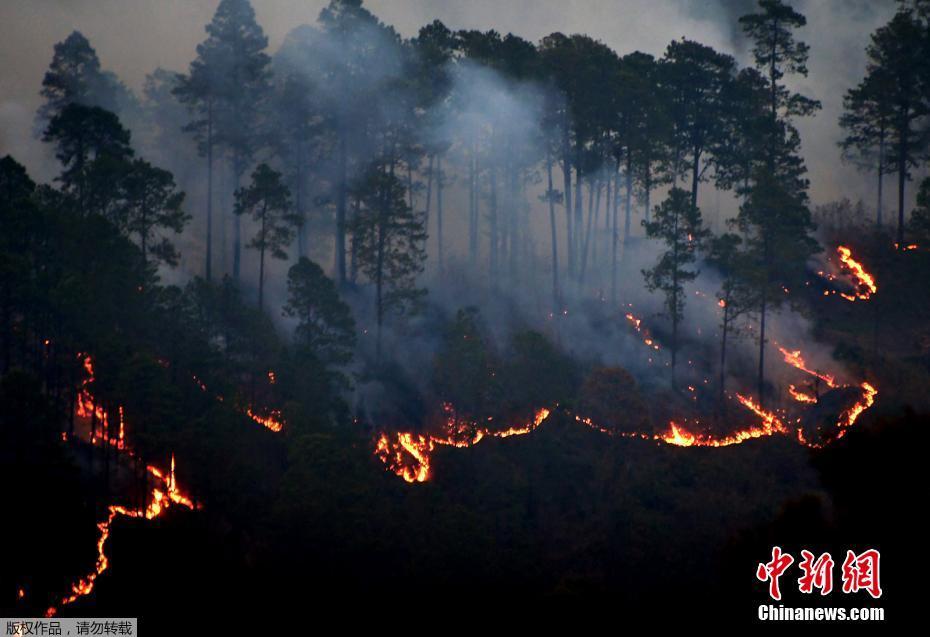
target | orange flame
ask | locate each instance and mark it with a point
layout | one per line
(801, 396)
(408, 455)
(637, 325)
(795, 359)
(162, 498)
(868, 399)
(273, 421)
(865, 283)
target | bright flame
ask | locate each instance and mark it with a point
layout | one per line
(865, 283)
(795, 359)
(801, 396)
(408, 455)
(161, 499)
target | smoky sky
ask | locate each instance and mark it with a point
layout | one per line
(133, 37)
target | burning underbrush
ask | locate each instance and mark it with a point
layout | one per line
(807, 404)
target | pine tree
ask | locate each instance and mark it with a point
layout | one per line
(867, 122)
(74, 76)
(679, 225)
(774, 218)
(899, 65)
(268, 201)
(324, 322)
(152, 203)
(85, 136)
(390, 241)
(226, 89)
(735, 298)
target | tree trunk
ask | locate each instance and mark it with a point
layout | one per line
(762, 349)
(881, 175)
(723, 350)
(554, 238)
(629, 202)
(341, 188)
(567, 187)
(615, 240)
(237, 224)
(353, 262)
(578, 222)
(439, 212)
(492, 222)
(298, 202)
(674, 301)
(587, 234)
(208, 266)
(261, 260)
(473, 205)
(429, 192)
(695, 177)
(902, 179)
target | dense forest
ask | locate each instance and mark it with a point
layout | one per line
(439, 321)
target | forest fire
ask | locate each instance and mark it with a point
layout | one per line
(161, 498)
(408, 455)
(865, 283)
(163, 495)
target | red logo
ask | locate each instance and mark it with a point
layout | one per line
(860, 572)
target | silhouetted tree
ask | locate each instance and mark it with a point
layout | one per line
(678, 224)
(866, 121)
(152, 203)
(268, 201)
(390, 241)
(898, 64)
(225, 89)
(324, 322)
(84, 135)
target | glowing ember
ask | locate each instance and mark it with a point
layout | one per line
(273, 421)
(637, 325)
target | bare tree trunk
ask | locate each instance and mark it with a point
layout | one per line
(629, 203)
(881, 175)
(341, 188)
(587, 234)
(615, 241)
(723, 351)
(473, 205)
(567, 187)
(261, 261)
(298, 202)
(439, 212)
(429, 192)
(555, 243)
(208, 266)
(902, 179)
(492, 221)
